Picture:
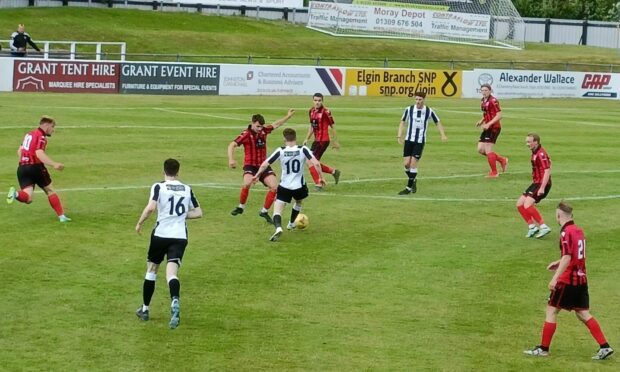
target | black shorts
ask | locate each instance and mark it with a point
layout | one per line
(490, 135)
(172, 248)
(33, 174)
(286, 195)
(570, 297)
(413, 149)
(318, 148)
(250, 169)
(532, 191)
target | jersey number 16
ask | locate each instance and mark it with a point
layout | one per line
(179, 208)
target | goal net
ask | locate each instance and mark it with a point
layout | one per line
(493, 23)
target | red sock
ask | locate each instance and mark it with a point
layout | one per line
(492, 159)
(271, 196)
(55, 203)
(524, 213)
(23, 196)
(547, 334)
(326, 169)
(243, 197)
(595, 330)
(533, 212)
(315, 175)
(499, 158)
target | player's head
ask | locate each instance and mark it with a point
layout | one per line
(258, 122)
(419, 99)
(563, 213)
(20, 28)
(171, 167)
(486, 90)
(47, 125)
(318, 100)
(532, 140)
(289, 135)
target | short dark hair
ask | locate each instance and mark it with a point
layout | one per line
(317, 95)
(289, 134)
(420, 94)
(486, 86)
(47, 119)
(259, 118)
(535, 136)
(565, 207)
(171, 167)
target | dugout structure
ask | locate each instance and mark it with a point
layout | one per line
(491, 23)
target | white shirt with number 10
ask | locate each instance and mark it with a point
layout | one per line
(293, 159)
(174, 199)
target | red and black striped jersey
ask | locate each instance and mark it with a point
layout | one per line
(573, 243)
(254, 145)
(540, 162)
(490, 108)
(321, 119)
(33, 141)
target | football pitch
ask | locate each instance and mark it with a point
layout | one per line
(443, 279)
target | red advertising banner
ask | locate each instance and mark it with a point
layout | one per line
(65, 76)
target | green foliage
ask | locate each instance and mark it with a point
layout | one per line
(594, 10)
(442, 280)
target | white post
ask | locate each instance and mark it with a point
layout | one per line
(123, 48)
(98, 51)
(72, 52)
(46, 50)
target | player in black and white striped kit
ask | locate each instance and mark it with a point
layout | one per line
(175, 202)
(292, 183)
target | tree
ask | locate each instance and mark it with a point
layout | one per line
(594, 10)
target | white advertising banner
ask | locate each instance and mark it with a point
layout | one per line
(291, 4)
(541, 84)
(6, 74)
(280, 80)
(398, 20)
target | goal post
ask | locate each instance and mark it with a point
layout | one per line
(491, 23)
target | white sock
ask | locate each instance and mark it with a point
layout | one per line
(145, 308)
(531, 226)
(263, 210)
(543, 226)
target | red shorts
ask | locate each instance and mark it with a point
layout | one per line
(318, 148)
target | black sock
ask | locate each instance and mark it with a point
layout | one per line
(605, 345)
(147, 291)
(277, 220)
(175, 288)
(294, 214)
(411, 179)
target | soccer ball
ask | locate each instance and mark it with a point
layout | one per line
(301, 222)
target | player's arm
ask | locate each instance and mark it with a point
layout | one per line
(194, 208)
(564, 262)
(442, 132)
(48, 161)
(151, 206)
(399, 136)
(309, 135)
(334, 138)
(283, 120)
(545, 181)
(495, 119)
(260, 171)
(232, 163)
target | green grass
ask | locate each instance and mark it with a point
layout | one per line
(279, 42)
(440, 280)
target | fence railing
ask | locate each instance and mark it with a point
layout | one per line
(78, 50)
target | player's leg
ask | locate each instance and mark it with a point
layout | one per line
(278, 208)
(532, 228)
(411, 171)
(26, 177)
(491, 159)
(530, 208)
(548, 331)
(245, 192)
(595, 329)
(271, 183)
(175, 257)
(148, 288)
(298, 196)
(55, 203)
(23, 196)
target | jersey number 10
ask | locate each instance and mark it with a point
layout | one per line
(293, 165)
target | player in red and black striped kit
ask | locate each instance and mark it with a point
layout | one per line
(254, 142)
(321, 124)
(569, 286)
(538, 190)
(31, 170)
(491, 128)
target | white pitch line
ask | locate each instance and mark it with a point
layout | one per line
(199, 114)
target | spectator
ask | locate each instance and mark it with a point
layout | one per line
(19, 39)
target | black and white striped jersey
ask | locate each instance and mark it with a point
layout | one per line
(174, 199)
(417, 122)
(293, 159)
